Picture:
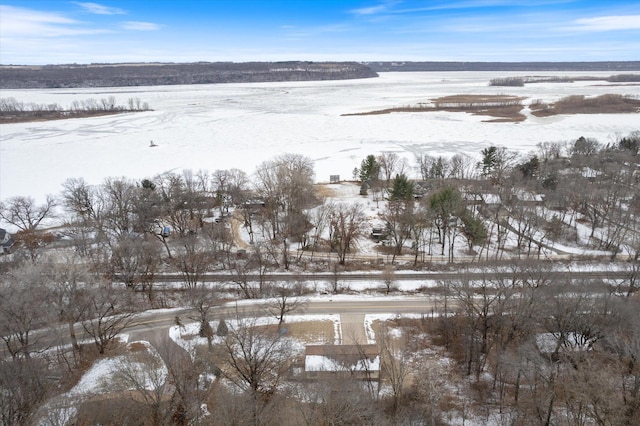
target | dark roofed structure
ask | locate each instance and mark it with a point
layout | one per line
(6, 241)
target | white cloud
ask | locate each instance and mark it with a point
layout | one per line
(20, 22)
(389, 6)
(374, 10)
(100, 9)
(608, 23)
(370, 10)
(140, 26)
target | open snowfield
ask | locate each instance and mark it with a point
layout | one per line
(240, 125)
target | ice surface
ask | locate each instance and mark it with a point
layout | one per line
(240, 125)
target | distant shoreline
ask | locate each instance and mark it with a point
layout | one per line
(128, 75)
(408, 66)
(15, 77)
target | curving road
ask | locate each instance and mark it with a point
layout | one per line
(378, 305)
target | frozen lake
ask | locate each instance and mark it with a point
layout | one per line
(240, 125)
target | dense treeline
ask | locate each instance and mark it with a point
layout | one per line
(117, 75)
(522, 349)
(503, 66)
(520, 81)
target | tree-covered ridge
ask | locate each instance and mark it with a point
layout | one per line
(117, 75)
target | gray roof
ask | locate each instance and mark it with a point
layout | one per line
(6, 239)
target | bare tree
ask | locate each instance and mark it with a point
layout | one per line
(585, 146)
(68, 280)
(434, 168)
(241, 269)
(230, 187)
(119, 197)
(284, 301)
(193, 261)
(109, 310)
(390, 164)
(25, 214)
(320, 220)
(394, 364)
(461, 167)
(24, 388)
(185, 377)
(285, 186)
(24, 308)
(338, 399)
(346, 227)
(255, 361)
(202, 299)
(431, 389)
(184, 202)
(399, 219)
(134, 261)
(447, 207)
(389, 278)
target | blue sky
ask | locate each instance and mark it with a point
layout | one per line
(54, 31)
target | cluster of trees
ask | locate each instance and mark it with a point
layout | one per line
(531, 199)
(507, 81)
(122, 226)
(544, 350)
(520, 81)
(43, 308)
(186, 223)
(12, 110)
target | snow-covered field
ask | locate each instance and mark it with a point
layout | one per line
(240, 125)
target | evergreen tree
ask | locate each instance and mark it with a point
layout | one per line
(401, 189)
(369, 169)
(222, 329)
(530, 169)
(489, 160)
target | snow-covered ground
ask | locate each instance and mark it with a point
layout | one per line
(186, 336)
(240, 125)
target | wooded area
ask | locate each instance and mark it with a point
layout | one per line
(521, 348)
(153, 74)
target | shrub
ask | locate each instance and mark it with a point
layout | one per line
(507, 81)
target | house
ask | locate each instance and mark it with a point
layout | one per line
(6, 241)
(362, 361)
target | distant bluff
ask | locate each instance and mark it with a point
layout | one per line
(155, 74)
